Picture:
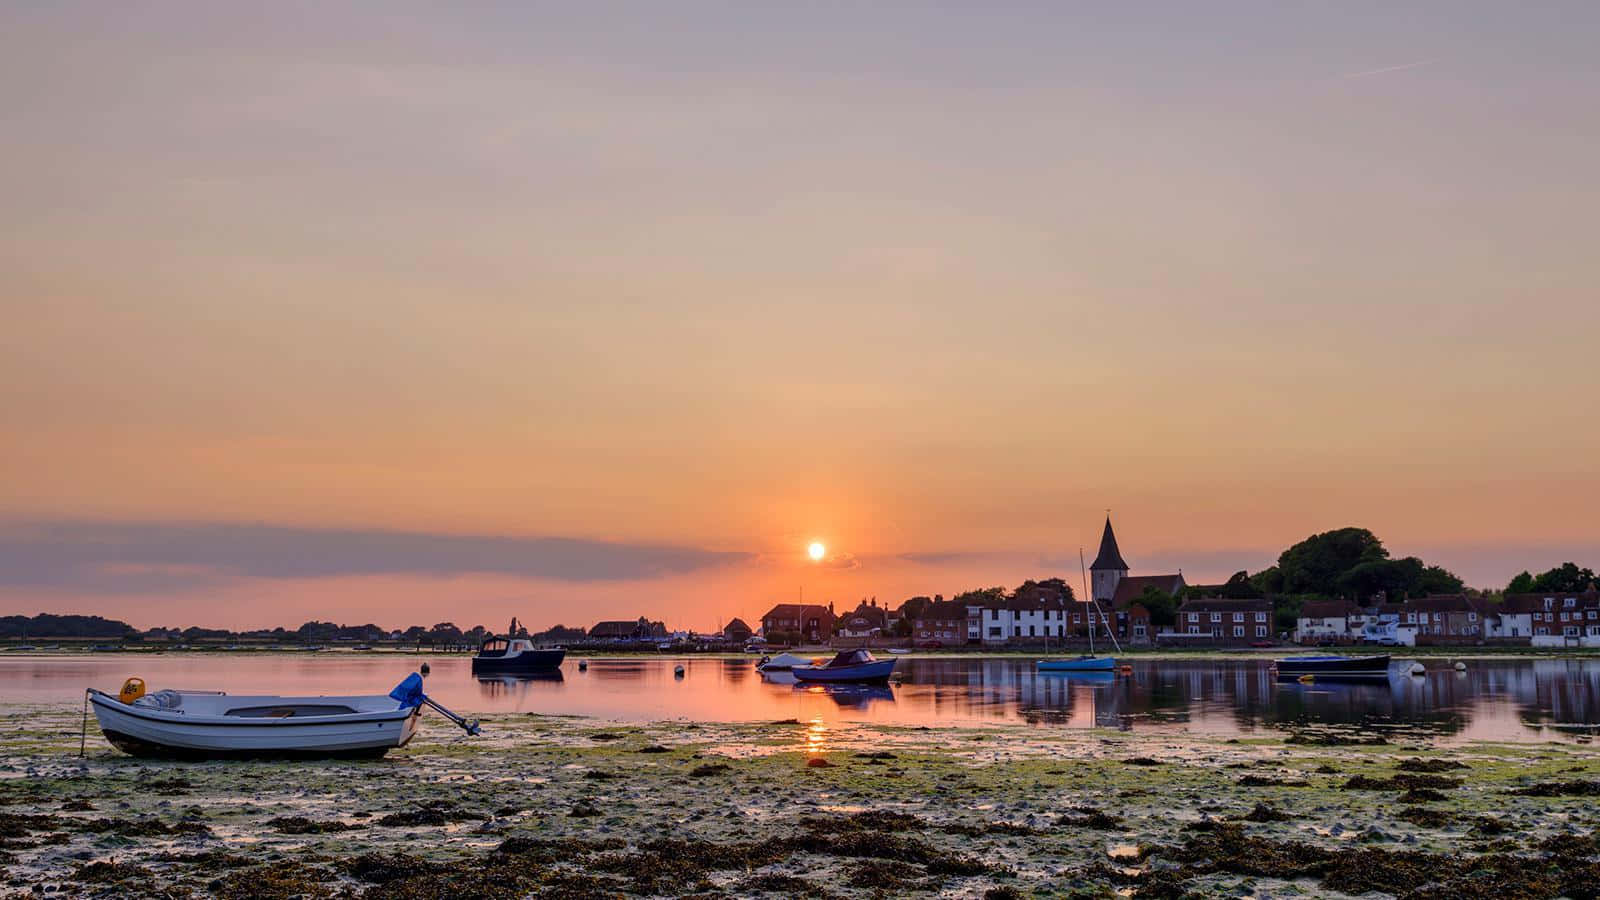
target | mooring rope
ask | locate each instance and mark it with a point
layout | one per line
(83, 727)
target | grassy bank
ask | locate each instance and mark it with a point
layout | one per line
(573, 807)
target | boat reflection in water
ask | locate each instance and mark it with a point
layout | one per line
(851, 696)
(513, 686)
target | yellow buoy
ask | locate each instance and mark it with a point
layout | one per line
(132, 689)
(1306, 679)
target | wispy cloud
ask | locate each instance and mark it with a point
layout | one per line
(134, 557)
(1367, 73)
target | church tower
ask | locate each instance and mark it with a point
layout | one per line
(1109, 568)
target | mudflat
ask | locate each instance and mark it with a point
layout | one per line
(576, 807)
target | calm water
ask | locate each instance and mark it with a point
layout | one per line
(1526, 700)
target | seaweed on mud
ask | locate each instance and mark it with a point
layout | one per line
(109, 872)
(1002, 892)
(817, 762)
(381, 868)
(1226, 848)
(1425, 817)
(1090, 817)
(1266, 813)
(1429, 765)
(433, 812)
(303, 825)
(706, 770)
(885, 874)
(584, 809)
(164, 787)
(1263, 781)
(869, 820)
(1011, 829)
(654, 748)
(549, 850)
(1334, 739)
(605, 736)
(1403, 782)
(16, 825)
(283, 880)
(777, 883)
(1560, 789)
(1142, 761)
(141, 827)
(77, 805)
(667, 865)
(1422, 795)
(600, 775)
(209, 859)
(1488, 826)
(876, 754)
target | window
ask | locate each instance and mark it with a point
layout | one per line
(994, 632)
(1569, 602)
(1194, 617)
(1238, 631)
(1030, 632)
(1472, 617)
(1238, 617)
(1549, 602)
(1194, 629)
(1570, 631)
(1216, 617)
(1591, 614)
(1261, 631)
(1261, 617)
(1138, 631)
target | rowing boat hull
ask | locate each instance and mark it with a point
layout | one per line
(1082, 664)
(141, 731)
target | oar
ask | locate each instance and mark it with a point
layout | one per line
(409, 693)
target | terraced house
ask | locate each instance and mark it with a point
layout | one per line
(1216, 620)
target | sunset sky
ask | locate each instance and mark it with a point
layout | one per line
(401, 313)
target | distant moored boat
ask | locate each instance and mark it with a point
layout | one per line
(1333, 667)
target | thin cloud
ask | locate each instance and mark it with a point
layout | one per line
(135, 557)
(1386, 69)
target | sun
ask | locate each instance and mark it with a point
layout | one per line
(816, 551)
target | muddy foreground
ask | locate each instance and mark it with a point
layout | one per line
(572, 807)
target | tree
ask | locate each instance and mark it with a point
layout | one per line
(1566, 578)
(1163, 607)
(1315, 565)
(985, 597)
(1522, 584)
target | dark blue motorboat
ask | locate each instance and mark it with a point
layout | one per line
(1333, 667)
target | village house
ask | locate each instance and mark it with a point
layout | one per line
(737, 632)
(808, 622)
(1327, 620)
(1445, 618)
(942, 622)
(1555, 619)
(865, 621)
(1219, 620)
(641, 629)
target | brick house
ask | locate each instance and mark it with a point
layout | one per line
(1216, 620)
(943, 621)
(865, 621)
(811, 621)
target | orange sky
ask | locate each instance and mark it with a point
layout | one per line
(909, 280)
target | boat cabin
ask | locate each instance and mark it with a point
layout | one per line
(857, 657)
(504, 648)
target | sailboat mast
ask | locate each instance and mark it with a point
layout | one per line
(1084, 573)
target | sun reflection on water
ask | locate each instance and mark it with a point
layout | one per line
(816, 736)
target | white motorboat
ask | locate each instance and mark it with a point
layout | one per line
(210, 724)
(783, 662)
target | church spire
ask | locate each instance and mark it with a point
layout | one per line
(1109, 557)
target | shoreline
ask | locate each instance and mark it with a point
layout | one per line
(572, 806)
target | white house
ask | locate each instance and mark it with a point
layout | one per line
(1327, 620)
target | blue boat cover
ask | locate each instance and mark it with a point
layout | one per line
(408, 692)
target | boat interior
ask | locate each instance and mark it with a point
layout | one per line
(213, 703)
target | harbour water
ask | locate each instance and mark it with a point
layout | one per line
(1494, 699)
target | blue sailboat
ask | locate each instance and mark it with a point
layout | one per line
(1088, 662)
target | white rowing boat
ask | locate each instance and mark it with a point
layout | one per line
(208, 724)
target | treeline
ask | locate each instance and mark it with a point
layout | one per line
(48, 625)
